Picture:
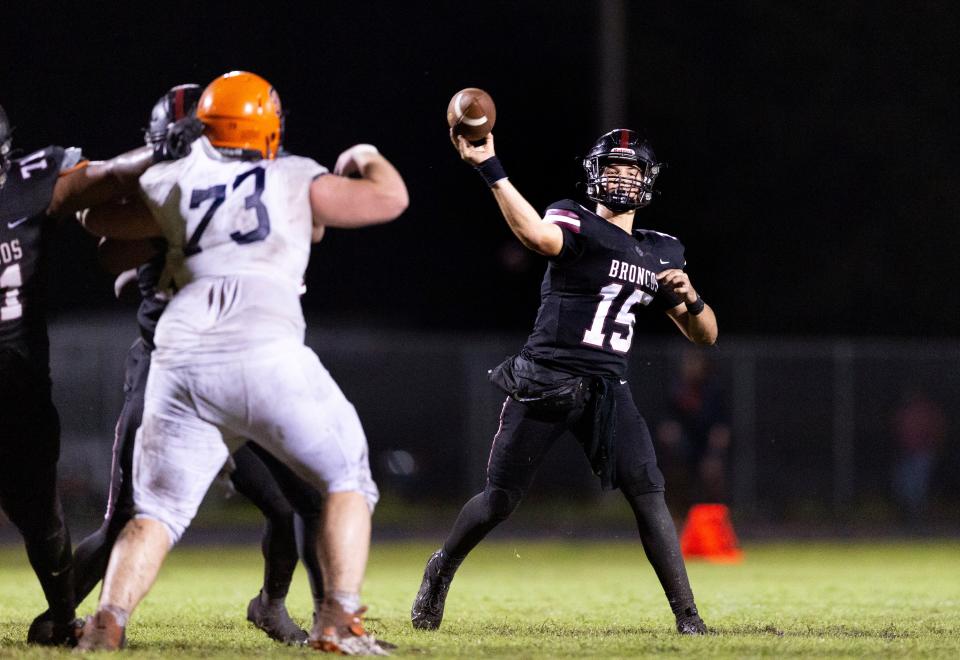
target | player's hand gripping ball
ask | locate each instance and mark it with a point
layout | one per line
(471, 113)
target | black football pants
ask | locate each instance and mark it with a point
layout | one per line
(29, 449)
(523, 440)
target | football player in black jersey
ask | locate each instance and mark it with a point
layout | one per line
(268, 483)
(35, 190)
(569, 378)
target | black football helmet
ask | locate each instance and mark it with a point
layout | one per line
(621, 193)
(5, 140)
(179, 102)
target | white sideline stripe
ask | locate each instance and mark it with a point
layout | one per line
(497, 434)
(114, 459)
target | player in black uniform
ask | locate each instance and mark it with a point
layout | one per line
(284, 498)
(569, 377)
(34, 191)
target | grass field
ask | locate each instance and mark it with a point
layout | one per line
(538, 599)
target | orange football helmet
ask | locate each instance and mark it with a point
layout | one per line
(241, 111)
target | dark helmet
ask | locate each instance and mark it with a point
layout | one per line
(179, 102)
(621, 193)
(5, 139)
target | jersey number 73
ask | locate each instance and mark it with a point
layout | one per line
(217, 195)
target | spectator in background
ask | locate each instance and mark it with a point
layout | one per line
(919, 429)
(695, 439)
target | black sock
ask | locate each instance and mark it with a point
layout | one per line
(477, 518)
(92, 554)
(279, 548)
(90, 559)
(48, 549)
(660, 543)
(308, 531)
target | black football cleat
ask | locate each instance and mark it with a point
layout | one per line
(276, 622)
(690, 623)
(427, 610)
(47, 632)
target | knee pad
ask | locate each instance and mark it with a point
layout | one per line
(501, 502)
(642, 479)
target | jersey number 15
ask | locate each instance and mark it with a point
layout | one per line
(595, 336)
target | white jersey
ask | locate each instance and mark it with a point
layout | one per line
(238, 235)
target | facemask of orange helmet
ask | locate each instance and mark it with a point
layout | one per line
(242, 116)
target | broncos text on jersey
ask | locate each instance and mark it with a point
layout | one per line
(593, 288)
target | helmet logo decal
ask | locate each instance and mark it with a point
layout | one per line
(275, 98)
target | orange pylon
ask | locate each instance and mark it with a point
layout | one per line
(708, 534)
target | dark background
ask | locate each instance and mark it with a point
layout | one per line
(813, 162)
(813, 177)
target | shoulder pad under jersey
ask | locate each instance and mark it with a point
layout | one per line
(667, 247)
(29, 185)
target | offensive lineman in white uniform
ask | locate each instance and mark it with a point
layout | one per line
(230, 362)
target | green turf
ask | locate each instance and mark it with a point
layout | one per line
(546, 599)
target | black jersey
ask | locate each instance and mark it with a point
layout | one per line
(24, 231)
(592, 289)
(152, 304)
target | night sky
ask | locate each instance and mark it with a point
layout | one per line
(814, 159)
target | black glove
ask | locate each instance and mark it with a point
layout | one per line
(180, 135)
